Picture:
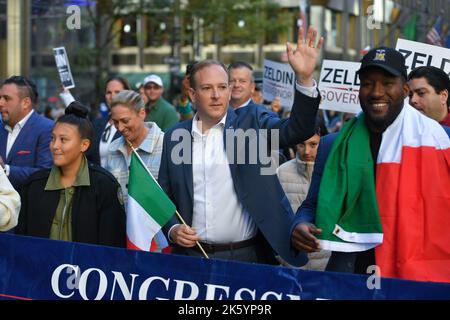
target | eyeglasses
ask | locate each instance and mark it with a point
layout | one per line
(106, 134)
(150, 87)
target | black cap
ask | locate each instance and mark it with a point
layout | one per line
(386, 58)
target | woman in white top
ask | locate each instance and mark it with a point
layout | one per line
(104, 130)
(9, 204)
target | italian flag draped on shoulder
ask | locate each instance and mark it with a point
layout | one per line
(148, 209)
(405, 211)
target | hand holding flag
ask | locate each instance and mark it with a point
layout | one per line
(184, 235)
(148, 209)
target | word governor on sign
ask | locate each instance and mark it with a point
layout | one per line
(343, 97)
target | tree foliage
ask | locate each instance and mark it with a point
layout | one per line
(262, 18)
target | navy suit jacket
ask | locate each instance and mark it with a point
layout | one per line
(261, 195)
(31, 150)
(99, 125)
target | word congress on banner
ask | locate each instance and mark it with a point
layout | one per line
(339, 86)
(42, 269)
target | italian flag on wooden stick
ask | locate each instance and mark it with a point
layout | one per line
(148, 208)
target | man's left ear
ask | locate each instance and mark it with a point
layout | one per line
(142, 114)
(191, 94)
(26, 103)
(444, 96)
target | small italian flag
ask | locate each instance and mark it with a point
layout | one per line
(148, 209)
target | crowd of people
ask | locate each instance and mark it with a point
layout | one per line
(68, 179)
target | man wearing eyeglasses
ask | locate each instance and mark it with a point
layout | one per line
(158, 109)
(24, 135)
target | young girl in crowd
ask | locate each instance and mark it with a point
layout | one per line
(75, 200)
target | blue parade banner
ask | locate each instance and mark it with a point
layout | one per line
(33, 268)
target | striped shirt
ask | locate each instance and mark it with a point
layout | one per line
(150, 150)
(118, 162)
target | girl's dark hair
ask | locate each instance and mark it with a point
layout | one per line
(123, 81)
(77, 114)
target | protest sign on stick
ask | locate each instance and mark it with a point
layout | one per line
(339, 86)
(62, 63)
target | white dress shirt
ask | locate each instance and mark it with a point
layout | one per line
(308, 91)
(218, 216)
(13, 133)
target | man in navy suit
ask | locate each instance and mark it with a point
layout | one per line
(242, 84)
(24, 135)
(235, 209)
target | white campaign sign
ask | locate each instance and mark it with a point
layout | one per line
(419, 54)
(62, 63)
(278, 81)
(339, 86)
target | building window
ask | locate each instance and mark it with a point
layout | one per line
(154, 58)
(159, 31)
(128, 36)
(229, 57)
(332, 20)
(124, 59)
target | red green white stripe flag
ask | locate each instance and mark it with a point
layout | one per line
(405, 212)
(148, 209)
(413, 193)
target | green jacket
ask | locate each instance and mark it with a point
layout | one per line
(163, 114)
